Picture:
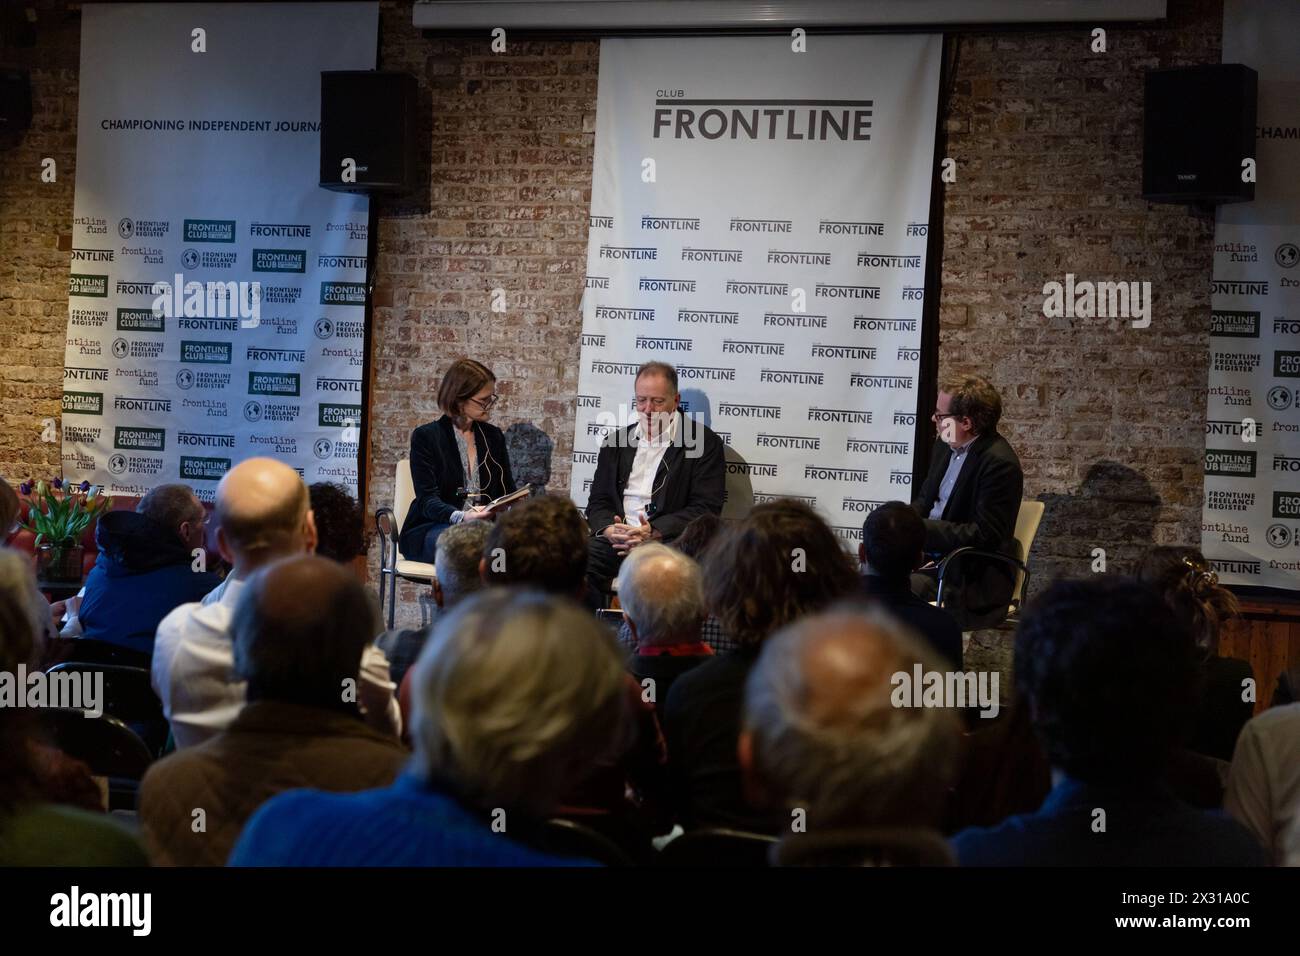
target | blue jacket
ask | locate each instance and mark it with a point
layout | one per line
(407, 824)
(143, 571)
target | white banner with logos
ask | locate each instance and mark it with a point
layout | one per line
(217, 294)
(759, 220)
(1250, 527)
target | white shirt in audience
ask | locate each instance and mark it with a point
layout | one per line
(1264, 781)
(193, 659)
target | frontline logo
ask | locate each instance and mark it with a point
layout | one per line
(279, 260)
(89, 286)
(135, 288)
(752, 469)
(140, 439)
(77, 374)
(904, 418)
(617, 314)
(208, 325)
(592, 340)
(827, 290)
(1234, 287)
(869, 447)
(81, 434)
(820, 473)
(862, 323)
(204, 441)
(1232, 566)
(670, 223)
(795, 442)
(874, 260)
(614, 368)
(632, 253)
(1286, 504)
(790, 377)
(584, 457)
(143, 228)
(343, 293)
(206, 353)
(274, 383)
(847, 415)
(712, 255)
(338, 416)
(797, 320)
(276, 355)
(835, 227)
(135, 464)
(1286, 364)
(900, 477)
(278, 230)
(818, 120)
(341, 262)
(758, 288)
(760, 225)
(1217, 427)
(1234, 325)
(123, 403)
(281, 294)
(589, 401)
(1230, 463)
(92, 255)
(600, 222)
(705, 373)
(187, 379)
(646, 284)
(338, 385)
(663, 345)
(787, 258)
(733, 347)
(1284, 463)
(859, 380)
(208, 230)
(698, 317)
(195, 468)
(860, 505)
(140, 320)
(859, 352)
(764, 497)
(271, 412)
(83, 403)
(595, 282)
(736, 410)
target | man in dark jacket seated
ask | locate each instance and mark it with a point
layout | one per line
(971, 498)
(146, 567)
(893, 538)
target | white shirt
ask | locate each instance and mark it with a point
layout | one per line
(640, 483)
(193, 659)
(1263, 793)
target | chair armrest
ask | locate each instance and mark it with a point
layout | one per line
(972, 552)
(388, 537)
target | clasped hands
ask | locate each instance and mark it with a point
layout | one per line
(625, 537)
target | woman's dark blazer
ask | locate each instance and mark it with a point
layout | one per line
(438, 474)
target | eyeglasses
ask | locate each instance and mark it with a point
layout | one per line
(936, 415)
(484, 403)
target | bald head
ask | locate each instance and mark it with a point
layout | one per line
(661, 593)
(822, 732)
(263, 513)
(301, 651)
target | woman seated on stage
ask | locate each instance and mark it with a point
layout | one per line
(459, 463)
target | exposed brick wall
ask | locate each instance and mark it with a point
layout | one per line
(1047, 136)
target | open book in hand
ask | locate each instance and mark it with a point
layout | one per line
(505, 501)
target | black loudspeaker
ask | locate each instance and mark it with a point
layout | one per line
(15, 100)
(367, 117)
(1199, 126)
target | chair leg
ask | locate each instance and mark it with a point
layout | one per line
(392, 598)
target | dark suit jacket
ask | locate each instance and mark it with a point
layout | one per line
(437, 472)
(690, 480)
(936, 626)
(980, 513)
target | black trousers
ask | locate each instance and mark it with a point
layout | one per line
(603, 563)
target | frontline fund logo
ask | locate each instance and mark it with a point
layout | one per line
(74, 908)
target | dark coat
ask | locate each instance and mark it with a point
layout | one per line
(690, 480)
(980, 513)
(142, 573)
(439, 477)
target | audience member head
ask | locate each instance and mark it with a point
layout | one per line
(263, 514)
(297, 651)
(516, 696)
(24, 624)
(821, 731)
(338, 522)
(1184, 579)
(10, 508)
(662, 596)
(456, 562)
(778, 564)
(176, 508)
(540, 543)
(893, 539)
(698, 534)
(1109, 674)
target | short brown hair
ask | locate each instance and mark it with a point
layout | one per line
(777, 565)
(462, 382)
(541, 543)
(658, 368)
(974, 398)
(170, 506)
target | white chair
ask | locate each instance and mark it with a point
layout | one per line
(392, 565)
(1028, 519)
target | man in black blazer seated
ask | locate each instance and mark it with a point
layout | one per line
(971, 497)
(649, 488)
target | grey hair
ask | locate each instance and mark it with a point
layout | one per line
(24, 615)
(662, 592)
(870, 763)
(516, 696)
(460, 548)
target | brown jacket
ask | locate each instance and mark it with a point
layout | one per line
(270, 747)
